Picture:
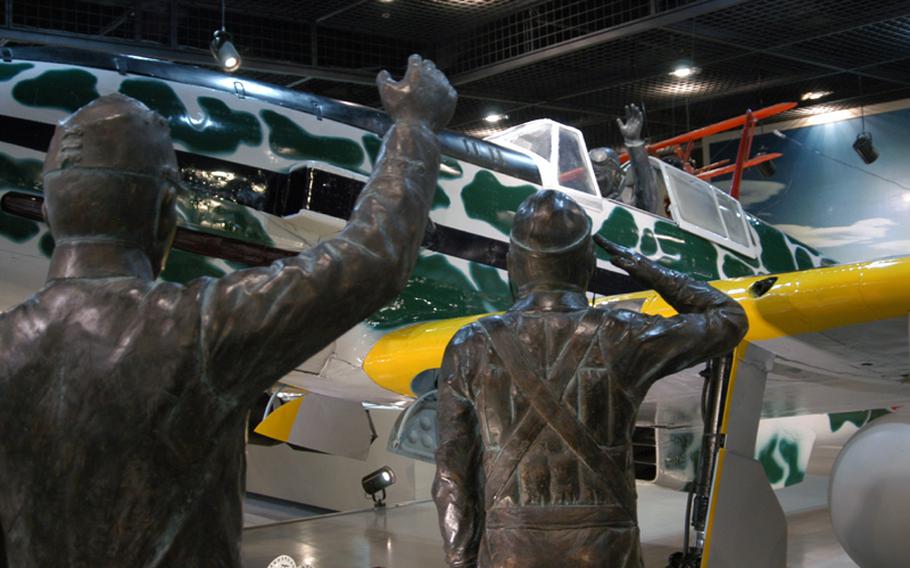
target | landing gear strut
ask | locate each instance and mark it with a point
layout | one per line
(717, 378)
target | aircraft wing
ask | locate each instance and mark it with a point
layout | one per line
(839, 336)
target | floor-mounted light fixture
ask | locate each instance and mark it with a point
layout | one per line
(222, 47)
(376, 483)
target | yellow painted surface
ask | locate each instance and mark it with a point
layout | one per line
(799, 302)
(718, 474)
(400, 355)
(279, 423)
(738, 354)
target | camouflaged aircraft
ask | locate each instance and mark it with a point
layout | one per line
(269, 171)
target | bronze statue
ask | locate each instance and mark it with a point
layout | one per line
(537, 406)
(123, 400)
(635, 187)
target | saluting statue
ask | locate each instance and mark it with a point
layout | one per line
(537, 406)
(123, 400)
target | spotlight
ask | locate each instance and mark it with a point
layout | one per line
(493, 118)
(865, 149)
(815, 95)
(683, 71)
(223, 50)
(376, 482)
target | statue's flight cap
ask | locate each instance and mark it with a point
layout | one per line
(550, 222)
(113, 132)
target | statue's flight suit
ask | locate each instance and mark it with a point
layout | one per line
(537, 406)
(123, 400)
(637, 187)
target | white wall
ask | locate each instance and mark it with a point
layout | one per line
(333, 482)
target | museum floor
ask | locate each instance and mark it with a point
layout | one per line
(406, 536)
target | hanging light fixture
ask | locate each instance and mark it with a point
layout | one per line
(222, 47)
(863, 143)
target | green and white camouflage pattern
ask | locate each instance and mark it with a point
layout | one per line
(239, 128)
(783, 445)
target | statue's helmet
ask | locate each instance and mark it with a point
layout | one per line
(111, 174)
(607, 170)
(550, 243)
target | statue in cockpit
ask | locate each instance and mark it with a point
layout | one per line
(635, 186)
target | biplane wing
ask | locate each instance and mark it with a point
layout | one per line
(722, 170)
(716, 128)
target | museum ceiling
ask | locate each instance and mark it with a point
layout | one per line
(576, 61)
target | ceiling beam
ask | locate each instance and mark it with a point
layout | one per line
(780, 51)
(183, 55)
(340, 10)
(553, 103)
(654, 21)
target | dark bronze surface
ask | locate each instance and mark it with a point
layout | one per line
(123, 400)
(537, 406)
(636, 185)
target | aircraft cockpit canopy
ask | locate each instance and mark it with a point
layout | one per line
(559, 151)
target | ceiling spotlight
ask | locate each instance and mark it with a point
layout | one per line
(223, 50)
(683, 71)
(222, 47)
(493, 118)
(376, 483)
(815, 95)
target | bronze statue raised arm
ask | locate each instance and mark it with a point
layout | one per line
(639, 177)
(537, 406)
(123, 400)
(637, 186)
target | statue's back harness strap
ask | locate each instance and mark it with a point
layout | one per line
(546, 396)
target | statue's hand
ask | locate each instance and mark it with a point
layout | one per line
(631, 128)
(423, 96)
(621, 257)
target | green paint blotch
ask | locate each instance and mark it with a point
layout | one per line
(686, 252)
(440, 199)
(436, 290)
(775, 254)
(488, 200)
(10, 70)
(648, 244)
(182, 267)
(494, 290)
(857, 418)
(372, 144)
(452, 169)
(290, 141)
(765, 456)
(790, 451)
(878, 413)
(621, 228)
(46, 244)
(16, 228)
(65, 89)
(803, 260)
(221, 129)
(20, 174)
(733, 268)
